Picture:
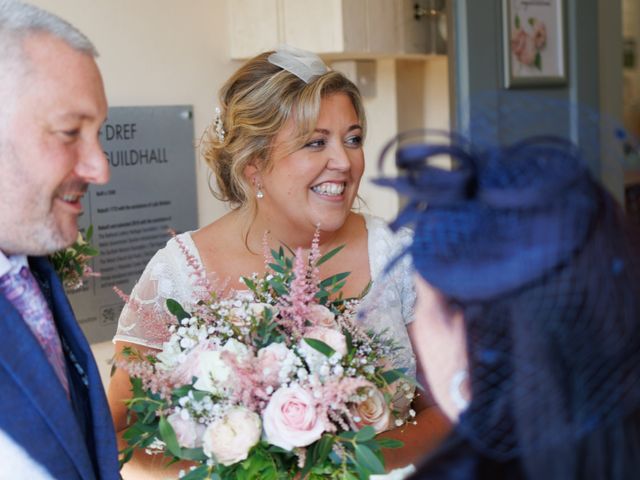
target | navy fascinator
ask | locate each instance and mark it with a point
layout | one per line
(516, 232)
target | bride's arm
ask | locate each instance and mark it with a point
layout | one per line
(431, 426)
(143, 325)
(141, 466)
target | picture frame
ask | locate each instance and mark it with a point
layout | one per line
(534, 43)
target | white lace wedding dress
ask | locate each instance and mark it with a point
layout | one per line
(387, 308)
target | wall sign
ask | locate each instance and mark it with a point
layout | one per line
(152, 190)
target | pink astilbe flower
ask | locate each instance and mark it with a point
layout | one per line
(266, 251)
(314, 256)
(294, 307)
(334, 396)
(198, 272)
(248, 389)
(157, 381)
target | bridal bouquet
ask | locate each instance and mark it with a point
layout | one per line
(274, 382)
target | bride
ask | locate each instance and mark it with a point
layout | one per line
(286, 150)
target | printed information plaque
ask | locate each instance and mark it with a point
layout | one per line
(152, 191)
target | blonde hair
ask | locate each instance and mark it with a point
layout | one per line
(255, 103)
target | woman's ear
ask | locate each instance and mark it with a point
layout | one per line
(252, 174)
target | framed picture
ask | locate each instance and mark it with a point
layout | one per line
(534, 43)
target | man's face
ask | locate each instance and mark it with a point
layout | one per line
(49, 148)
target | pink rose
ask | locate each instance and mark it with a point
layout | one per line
(188, 432)
(528, 55)
(372, 410)
(291, 419)
(518, 42)
(229, 439)
(331, 337)
(276, 362)
(539, 35)
(321, 316)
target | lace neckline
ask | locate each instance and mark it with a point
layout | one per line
(369, 223)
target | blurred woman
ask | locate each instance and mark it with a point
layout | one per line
(528, 311)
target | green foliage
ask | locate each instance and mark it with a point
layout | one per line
(320, 346)
(176, 309)
(70, 263)
(538, 61)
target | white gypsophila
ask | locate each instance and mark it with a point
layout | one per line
(155, 447)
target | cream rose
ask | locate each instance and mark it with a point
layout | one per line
(291, 420)
(321, 316)
(372, 411)
(229, 439)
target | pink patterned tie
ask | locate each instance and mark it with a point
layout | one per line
(22, 290)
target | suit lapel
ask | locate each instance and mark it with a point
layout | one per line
(31, 370)
(81, 358)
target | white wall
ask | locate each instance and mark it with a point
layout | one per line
(169, 52)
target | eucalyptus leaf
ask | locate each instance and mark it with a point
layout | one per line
(327, 282)
(389, 443)
(176, 309)
(327, 256)
(365, 434)
(368, 460)
(169, 437)
(320, 346)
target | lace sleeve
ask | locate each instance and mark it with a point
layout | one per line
(406, 285)
(389, 305)
(145, 319)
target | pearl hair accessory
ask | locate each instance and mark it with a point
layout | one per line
(217, 123)
(303, 64)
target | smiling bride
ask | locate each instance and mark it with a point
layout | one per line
(286, 149)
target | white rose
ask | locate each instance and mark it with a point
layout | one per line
(239, 349)
(291, 419)
(188, 432)
(229, 439)
(170, 355)
(214, 373)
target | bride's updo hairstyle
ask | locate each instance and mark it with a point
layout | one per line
(255, 104)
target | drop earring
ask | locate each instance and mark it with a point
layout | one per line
(259, 193)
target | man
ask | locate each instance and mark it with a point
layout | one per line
(52, 404)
